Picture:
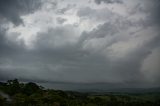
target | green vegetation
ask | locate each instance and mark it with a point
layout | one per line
(13, 93)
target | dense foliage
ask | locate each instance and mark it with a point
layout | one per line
(13, 93)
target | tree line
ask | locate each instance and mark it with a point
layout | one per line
(14, 93)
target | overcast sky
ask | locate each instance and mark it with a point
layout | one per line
(81, 41)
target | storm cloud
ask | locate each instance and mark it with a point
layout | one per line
(12, 10)
(108, 1)
(108, 42)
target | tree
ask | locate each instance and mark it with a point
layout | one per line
(31, 88)
(13, 87)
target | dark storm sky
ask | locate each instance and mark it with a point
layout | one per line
(81, 41)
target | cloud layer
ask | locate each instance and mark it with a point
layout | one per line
(100, 41)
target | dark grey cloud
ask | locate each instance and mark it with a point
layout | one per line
(154, 13)
(8, 46)
(108, 1)
(132, 63)
(8, 52)
(12, 10)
